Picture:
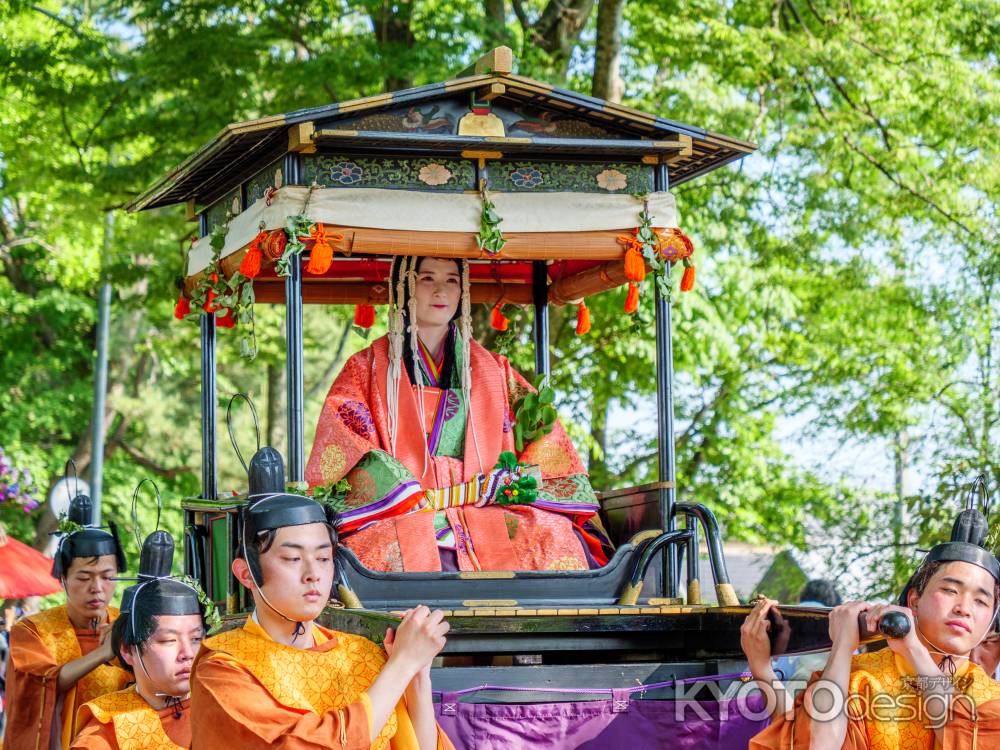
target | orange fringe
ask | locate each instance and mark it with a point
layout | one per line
(632, 299)
(250, 265)
(635, 264)
(226, 321)
(582, 319)
(182, 308)
(321, 255)
(687, 280)
(364, 315)
(499, 321)
(208, 306)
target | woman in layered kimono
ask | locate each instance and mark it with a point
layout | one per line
(417, 422)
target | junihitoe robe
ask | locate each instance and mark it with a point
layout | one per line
(893, 720)
(252, 693)
(403, 507)
(124, 721)
(39, 647)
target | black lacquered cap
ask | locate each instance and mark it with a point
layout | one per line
(279, 511)
(966, 545)
(88, 541)
(162, 596)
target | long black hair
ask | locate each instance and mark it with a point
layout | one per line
(409, 360)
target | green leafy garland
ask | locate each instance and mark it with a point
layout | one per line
(234, 294)
(68, 527)
(517, 488)
(534, 414)
(212, 618)
(490, 238)
(651, 253)
(296, 226)
(333, 495)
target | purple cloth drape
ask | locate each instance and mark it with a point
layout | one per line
(589, 725)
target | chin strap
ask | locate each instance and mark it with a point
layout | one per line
(948, 658)
(299, 627)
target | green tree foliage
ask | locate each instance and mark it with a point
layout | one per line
(846, 273)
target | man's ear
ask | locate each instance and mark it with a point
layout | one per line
(242, 572)
(128, 655)
(911, 598)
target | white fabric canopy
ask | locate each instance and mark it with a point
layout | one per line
(377, 208)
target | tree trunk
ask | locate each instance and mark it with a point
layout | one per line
(597, 466)
(392, 29)
(497, 33)
(607, 82)
(557, 30)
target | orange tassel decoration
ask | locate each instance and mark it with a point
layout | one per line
(632, 299)
(364, 316)
(208, 306)
(182, 308)
(635, 265)
(499, 321)
(226, 321)
(582, 319)
(687, 280)
(250, 265)
(321, 255)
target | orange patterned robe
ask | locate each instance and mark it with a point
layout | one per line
(38, 719)
(124, 721)
(402, 506)
(892, 721)
(252, 693)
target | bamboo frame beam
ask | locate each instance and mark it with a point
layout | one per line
(592, 281)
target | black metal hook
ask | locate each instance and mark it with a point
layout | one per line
(980, 490)
(229, 426)
(135, 512)
(76, 476)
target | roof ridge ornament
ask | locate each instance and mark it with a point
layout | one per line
(497, 61)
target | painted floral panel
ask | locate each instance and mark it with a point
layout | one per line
(526, 177)
(337, 170)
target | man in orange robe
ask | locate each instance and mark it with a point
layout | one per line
(922, 692)
(59, 658)
(157, 636)
(281, 680)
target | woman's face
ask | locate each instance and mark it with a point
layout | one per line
(439, 290)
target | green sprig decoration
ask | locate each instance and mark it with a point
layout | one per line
(650, 252)
(333, 495)
(534, 414)
(68, 527)
(296, 226)
(234, 294)
(490, 238)
(517, 488)
(212, 618)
